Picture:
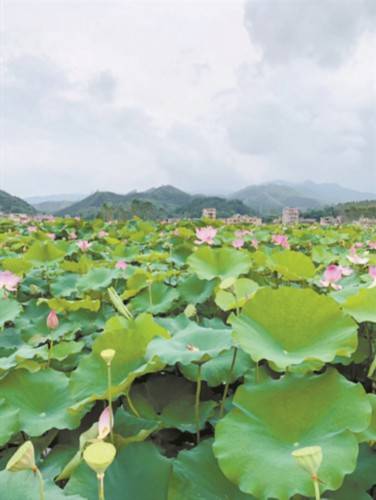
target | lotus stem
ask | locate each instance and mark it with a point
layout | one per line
(100, 486)
(50, 346)
(131, 405)
(227, 386)
(109, 397)
(150, 295)
(197, 404)
(317, 488)
(41, 483)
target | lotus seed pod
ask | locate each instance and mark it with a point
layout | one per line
(227, 283)
(309, 458)
(190, 311)
(108, 355)
(23, 459)
(99, 456)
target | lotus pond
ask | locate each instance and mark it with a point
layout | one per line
(181, 362)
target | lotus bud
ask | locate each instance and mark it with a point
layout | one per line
(52, 320)
(104, 423)
(23, 459)
(309, 459)
(108, 355)
(99, 456)
(190, 311)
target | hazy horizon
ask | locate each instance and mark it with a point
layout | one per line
(208, 96)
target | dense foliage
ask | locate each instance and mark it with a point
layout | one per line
(184, 363)
(12, 204)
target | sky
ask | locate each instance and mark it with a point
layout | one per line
(207, 95)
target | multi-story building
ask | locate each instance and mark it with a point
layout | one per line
(209, 213)
(290, 216)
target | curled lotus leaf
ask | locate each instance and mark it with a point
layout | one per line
(290, 326)
(271, 419)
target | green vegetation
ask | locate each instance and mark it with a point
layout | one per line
(12, 204)
(142, 361)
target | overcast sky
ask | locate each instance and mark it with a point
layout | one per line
(207, 95)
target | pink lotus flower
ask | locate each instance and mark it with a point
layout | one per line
(242, 232)
(255, 243)
(239, 243)
(355, 258)
(9, 281)
(346, 271)
(372, 245)
(372, 273)
(358, 245)
(102, 234)
(121, 264)
(332, 274)
(32, 229)
(52, 236)
(104, 423)
(205, 235)
(72, 235)
(281, 240)
(52, 320)
(84, 245)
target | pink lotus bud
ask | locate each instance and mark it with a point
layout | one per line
(84, 245)
(52, 236)
(102, 234)
(121, 264)
(238, 243)
(52, 320)
(104, 423)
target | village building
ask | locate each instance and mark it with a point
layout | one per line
(290, 216)
(330, 221)
(243, 219)
(209, 213)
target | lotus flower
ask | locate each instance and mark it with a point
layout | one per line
(346, 271)
(372, 273)
(9, 281)
(281, 240)
(205, 235)
(332, 274)
(32, 229)
(52, 320)
(102, 234)
(72, 235)
(121, 264)
(84, 245)
(104, 423)
(255, 243)
(238, 243)
(355, 258)
(52, 236)
(372, 245)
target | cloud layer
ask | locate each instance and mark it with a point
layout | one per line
(210, 97)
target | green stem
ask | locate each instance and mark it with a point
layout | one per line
(131, 405)
(150, 296)
(50, 346)
(100, 486)
(197, 404)
(109, 397)
(227, 386)
(41, 484)
(317, 489)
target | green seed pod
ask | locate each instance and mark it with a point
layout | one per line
(23, 459)
(99, 456)
(108, 355)
(309, 458)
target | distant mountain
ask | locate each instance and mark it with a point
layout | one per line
(50, 207)
(12, 204)
(271, 198)
(90, 206)
(69, 198)
(329, 193)
(225, 208)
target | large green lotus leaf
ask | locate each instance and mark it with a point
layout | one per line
(9, 422)
(160, 299)
(129, 338)
(355, 485)
(42, 252)
(241, 291)
(96, 279)
(42, 399)
(292, 265)
(192, 344)
(64, 285)
(24, 485)
(254, 441)
(170, 400)
(289, 326)
(209, 263)
(370, 433)
(139, 472)
(196, 475)
(216, 371)
(64, 305)
(9, 310)
(16, 265)
(362, 306)
(195, 291)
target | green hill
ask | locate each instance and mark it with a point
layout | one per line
(268, 199)
(225, 208)
(11, 204)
